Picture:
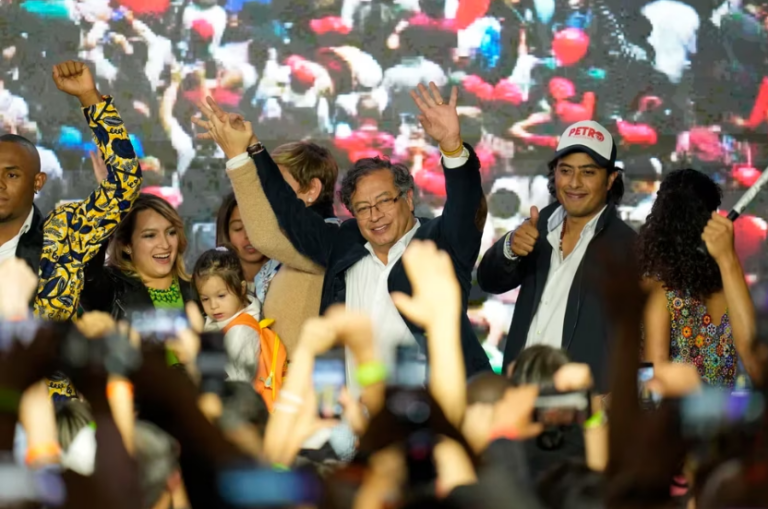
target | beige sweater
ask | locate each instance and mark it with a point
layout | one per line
(294, 293)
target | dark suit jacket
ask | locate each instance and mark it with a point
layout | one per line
(586, 328)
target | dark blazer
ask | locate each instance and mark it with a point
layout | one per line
(109, 290)
(339, 248)
(30, 244)
(586, 329)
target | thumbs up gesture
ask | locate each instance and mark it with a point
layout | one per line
(525, 237)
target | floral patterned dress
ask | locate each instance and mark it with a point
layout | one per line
(696, 340)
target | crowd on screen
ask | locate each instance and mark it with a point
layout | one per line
(659, 75)
(381, 181)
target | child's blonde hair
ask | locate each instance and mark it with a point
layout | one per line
(224, 263)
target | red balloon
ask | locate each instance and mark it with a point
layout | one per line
(749, 236)
(469, 11)
(570, 45)
(745, 175)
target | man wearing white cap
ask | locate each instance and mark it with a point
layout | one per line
(557, 255)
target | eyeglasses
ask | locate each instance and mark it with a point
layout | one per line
(383, 206)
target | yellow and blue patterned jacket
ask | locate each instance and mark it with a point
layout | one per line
(73, 233)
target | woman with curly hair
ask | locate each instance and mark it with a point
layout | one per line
(699, 310)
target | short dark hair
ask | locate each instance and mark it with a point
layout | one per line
(156, 457)
(364, 167)
(241, 403)
(486, 387)
(224, 263)
(70, 419)
(25, 144)
(615, 193)
(537, 365)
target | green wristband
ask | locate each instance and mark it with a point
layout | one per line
(371, 373)
(280, 467)
(170, 358)
(597, 420)
(9, 401)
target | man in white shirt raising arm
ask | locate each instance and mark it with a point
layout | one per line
(362, 256)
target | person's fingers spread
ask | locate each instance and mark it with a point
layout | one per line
(419, 101)
(214, 106)
(435, 93)
(426, 95)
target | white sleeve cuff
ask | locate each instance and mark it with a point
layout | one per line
(237, 161)
(456, 162)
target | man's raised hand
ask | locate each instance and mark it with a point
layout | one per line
(439, 119)
(76, 79)
(525, 237)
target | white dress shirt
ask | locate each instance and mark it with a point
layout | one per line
(8, 250)
(547, 325)
(368, 293)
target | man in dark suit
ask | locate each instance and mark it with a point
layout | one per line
(362, 256)
(557, 256)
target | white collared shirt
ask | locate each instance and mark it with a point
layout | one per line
(8, 250)
(547, 325)
(368, 293)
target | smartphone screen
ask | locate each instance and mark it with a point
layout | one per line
(255, 486)
(562, 408)
(714, 411)
(329, 378)
(410, 367)
(419, 457)
(212, 359)
(647, 398)
(159, 325)
(20, 486)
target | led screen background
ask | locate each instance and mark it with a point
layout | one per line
(678, 83)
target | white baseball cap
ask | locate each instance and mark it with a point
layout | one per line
(588, 137)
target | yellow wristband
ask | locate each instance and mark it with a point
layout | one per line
(371, 373)
(453, 153)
